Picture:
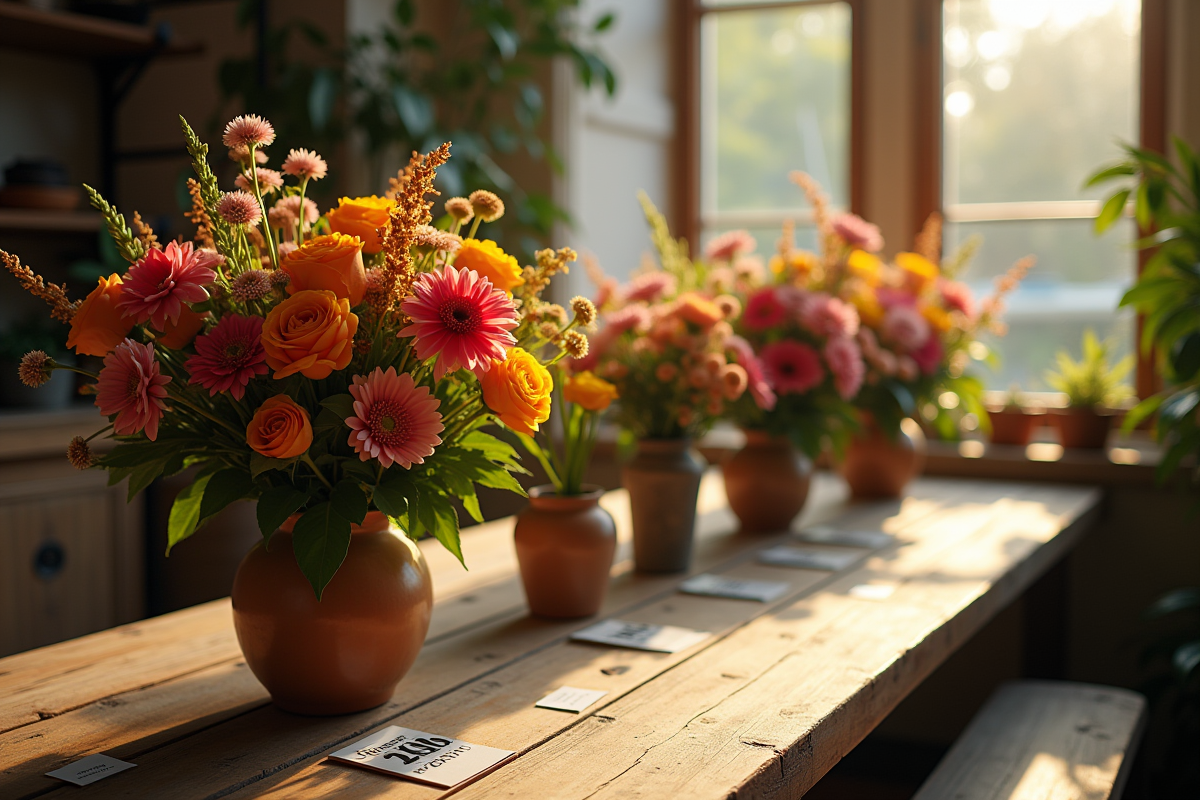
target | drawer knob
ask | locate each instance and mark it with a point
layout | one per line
(49, 560)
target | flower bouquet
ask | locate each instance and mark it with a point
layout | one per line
(339, 370)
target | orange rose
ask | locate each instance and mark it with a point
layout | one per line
(279, 429)
(331, 262)
(311, 332)
(179, 335)
(361, 217)
(586, 390)
(518, 390)
(98, 326)
(486, 258)
(698, 310)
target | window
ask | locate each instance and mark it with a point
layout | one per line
(1036, 95)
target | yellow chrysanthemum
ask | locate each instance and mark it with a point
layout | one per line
(485, 257)
(937, 317)
(921, 269)
(865, 266)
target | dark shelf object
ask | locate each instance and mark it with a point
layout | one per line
(34, 219)
(78, 36)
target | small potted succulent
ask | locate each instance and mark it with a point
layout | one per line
(1093, 389)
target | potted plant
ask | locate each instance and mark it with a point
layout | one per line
(1093, 389)
(337, 380)
(565, 541)
(1012, 421)
(665, 342)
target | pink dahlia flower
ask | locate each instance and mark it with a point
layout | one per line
(845, 361)
(249, 130)
(229, 356)
(728, 245)
(157, 286)
(305, 164)
(764, 309)
(394, 420)
(828, 316)
(649, 286)
(857, 232)
(904, 327)
(929, 355)
(132, 387)
(889, 297)
(461, 318)
(792, 367)
(239, 209)
(756, 379)
(958, 297)
(268, 180)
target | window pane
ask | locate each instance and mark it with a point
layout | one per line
(775, 97)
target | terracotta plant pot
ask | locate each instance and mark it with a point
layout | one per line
(565, 546)
(1013, 425)
(1082, 427)
(877, 467)
(766, 482)
(348, 651)
(663, 480)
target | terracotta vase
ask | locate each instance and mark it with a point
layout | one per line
(1013, 426)
(877, 467)
(766, 482)
(1082, 427)
(565, 546)
(346, 652)
(663, 481)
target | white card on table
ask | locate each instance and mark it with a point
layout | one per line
(641, 636)
(423, 757)
(873, 591)
(808, 558)
(90, 769)
(827, 534)
(736, 588)
(568, 698)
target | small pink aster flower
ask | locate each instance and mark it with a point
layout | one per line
(904, 327)
(649, 286)
(157, 286)
(394, 420)
(239, 208)
(958, 297)
(131, 387)
(461, 318)
(305, 164)
(728, 245)
(268, 180)
(845, 361)
(248, 130)
(792, 367)
(764, 310)
(828, 316)
(857, 232)
(291, 205)
(756, 379)
(229, 356)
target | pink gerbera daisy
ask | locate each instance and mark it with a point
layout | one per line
(792, 367)
(131, 387)
(845, 361)
(394, 420)
(764, 310)
(756, 379)
(229, 356)
(157, 286)
(249, 130)
(305, 164)
(461, 318)
(828, 316)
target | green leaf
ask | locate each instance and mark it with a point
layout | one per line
(185, 511)
(1112, 210)
(398, 497)
(1120, 170)
(141, 477)
(260, 464)
(1142, 210)
(439, 518)
(348, 500)
(1141, 411)
(605, 22)
(224, 487)
(1185, 599)
(320, 540)
(275, 506)
(460, 486)
(1186, 659)
(340, 404)
(1185, 357)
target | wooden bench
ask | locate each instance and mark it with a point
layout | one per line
(1036, 740)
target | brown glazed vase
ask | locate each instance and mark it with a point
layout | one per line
(877, 467)
(663, 481)
(565, 546)
(1082, 427)
(766, 482)
(346, 652)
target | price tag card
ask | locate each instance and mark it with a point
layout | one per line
(827, 534)
(423, 757)
(90, 769)
(736, 588)
(808, 558)
(641, 636)
(568, 698)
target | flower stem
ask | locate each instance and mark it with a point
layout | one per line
(270, 237)
(307, 459)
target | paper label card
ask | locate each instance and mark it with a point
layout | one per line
(90, 769)
(440, 761)
(873, 591)
(736, 588)
(641, 636)
(808, 558)
(827, 534)
(568, 698)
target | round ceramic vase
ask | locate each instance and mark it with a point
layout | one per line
(877, 467)
(663, 481)
(766, 482)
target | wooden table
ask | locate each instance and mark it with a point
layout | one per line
(764, 708)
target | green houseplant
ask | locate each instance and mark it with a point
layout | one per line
(1093, 388)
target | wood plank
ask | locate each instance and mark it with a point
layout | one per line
(1037, 739)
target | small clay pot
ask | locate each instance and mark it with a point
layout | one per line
(348, 651)
(663, 481)
(1080, 427)
(766, 482)
(565, 546)
(1013, 425)
(877, 467)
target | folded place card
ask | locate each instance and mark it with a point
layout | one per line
(90, 769)
(440, 761)
(641, 636)
(808, 558)
(736, 588)
(827, 534)
(873, 591)
(568, 698)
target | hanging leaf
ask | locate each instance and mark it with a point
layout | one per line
(320, 540)
(275, 506)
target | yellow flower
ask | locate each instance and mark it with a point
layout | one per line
(518, 390)
(864, 300)
(939, 318)
(485, 257)
(919, 270)
(361, 217)
(866, 266)
(590, 392)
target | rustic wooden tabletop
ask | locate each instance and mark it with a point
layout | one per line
(765, 707)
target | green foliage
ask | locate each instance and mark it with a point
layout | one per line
(1091, 382)
(128, 245)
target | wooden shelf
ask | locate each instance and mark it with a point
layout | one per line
(36, 219)
(79, 36)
